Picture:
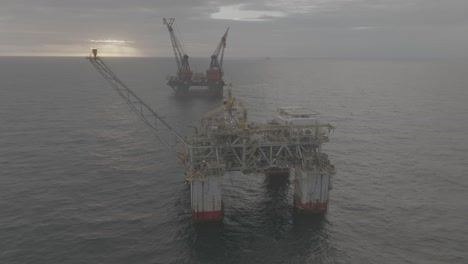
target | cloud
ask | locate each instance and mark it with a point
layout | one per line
(236, 12)
(258, 28)
(362, 28)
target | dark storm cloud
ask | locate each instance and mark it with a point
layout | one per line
(258, 28)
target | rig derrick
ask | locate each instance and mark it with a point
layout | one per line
(226, 141)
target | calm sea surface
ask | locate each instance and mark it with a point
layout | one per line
(82, 180)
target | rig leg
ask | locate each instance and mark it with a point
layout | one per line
(311, 190)
(207, 203)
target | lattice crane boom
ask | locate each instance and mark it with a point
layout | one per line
(181, 56)
(215, 71)
(151, 119)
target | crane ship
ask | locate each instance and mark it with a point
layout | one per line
(185, 78)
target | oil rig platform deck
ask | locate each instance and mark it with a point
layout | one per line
(290, 143)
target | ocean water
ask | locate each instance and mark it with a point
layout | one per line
(82, 180)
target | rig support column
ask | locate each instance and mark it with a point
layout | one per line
(206, 199)
(311, 189)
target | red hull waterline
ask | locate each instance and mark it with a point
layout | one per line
(313, 208)
(210, 216)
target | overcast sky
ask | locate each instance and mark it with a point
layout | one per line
(269, 28)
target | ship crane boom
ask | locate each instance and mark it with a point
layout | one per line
(215, 71)
(183, 66)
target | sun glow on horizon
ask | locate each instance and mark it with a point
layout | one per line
(112, 41)
(115, 47)
(106, 47)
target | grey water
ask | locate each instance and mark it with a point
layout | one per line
(82, 180)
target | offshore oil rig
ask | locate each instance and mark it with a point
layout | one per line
(185, 78)
(226, 141)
